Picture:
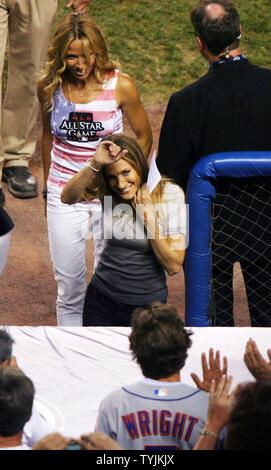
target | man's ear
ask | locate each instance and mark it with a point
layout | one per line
(200, 43)
(4, 363)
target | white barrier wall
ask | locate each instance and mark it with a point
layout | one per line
(74, 368)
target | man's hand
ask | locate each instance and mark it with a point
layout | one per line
(98, 441)
(213, 372)
(255, 362)
(53, 441)
(80, 6)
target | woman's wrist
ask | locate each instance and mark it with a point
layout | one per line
(94, 165)
(213, 426)
(207, 432)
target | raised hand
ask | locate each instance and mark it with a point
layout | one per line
(220, 404)
(108, 152)
(213, 372)
(256, 364)
(80, 6)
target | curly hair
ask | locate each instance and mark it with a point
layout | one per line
(74, 27)
(158, 340)
(249, 425)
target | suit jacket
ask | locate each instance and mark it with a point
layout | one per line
(228, 109)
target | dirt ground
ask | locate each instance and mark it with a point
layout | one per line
(27, 288)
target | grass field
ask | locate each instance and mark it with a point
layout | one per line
(155, 44)
(154, 40)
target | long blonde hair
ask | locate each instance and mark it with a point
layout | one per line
(73, 27)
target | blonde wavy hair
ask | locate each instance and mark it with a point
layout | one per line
(72, 27)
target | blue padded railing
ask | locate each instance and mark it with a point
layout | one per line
(199, 196)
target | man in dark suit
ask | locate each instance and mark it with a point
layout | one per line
(227, 109)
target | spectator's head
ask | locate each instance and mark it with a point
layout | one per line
(6, 343)
(249, 426)
(217, 24)
(158, 340)
(16, 400)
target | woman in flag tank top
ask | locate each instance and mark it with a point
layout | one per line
(83, 96)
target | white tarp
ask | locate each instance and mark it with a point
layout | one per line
(73, 368)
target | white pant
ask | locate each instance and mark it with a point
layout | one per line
(68, 230)
(4, 249)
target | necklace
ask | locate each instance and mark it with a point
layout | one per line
(85, 92)
(80, 93)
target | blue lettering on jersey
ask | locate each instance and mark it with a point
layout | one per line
(145, 423)
(178, 425)
(193, 421)
(131, 426)
(164, 423)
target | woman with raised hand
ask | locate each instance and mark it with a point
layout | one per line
(144, 233)
(83, 97)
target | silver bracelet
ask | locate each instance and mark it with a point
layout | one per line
(94, 169)
(210, 433)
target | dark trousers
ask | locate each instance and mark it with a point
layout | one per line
(100, 310)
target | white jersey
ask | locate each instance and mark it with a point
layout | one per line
(35, 429)
(154, 415)
(21, 447)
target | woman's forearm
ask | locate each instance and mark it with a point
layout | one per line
(170, 258)
(169, 251)
(74, 190)
(46, 147)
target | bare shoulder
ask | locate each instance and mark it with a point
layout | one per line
(125, 82)
(126, 89)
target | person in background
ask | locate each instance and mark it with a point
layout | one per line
(245, 412)
(91, 441)
(16, 401)
(25, 25)
(83, 97)
(6, 227)
(36, 427)
(226, 110)
(159, 411)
